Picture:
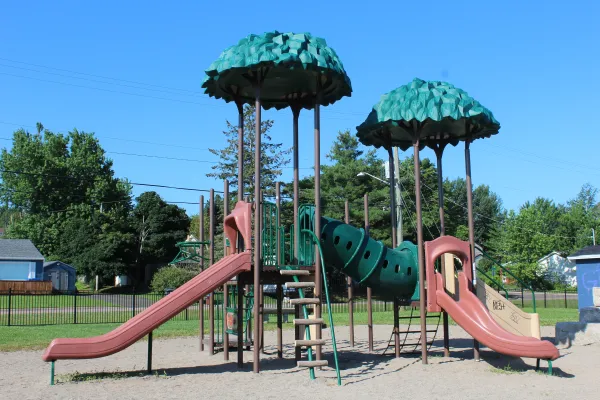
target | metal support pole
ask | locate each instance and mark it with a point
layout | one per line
(394, 245)
(438, 153)
(349, 282)
(226, 285)
(240, 322)
(369, 291)
(240, 176)
(201, 302)
(422, 311)
(471, 227)
(9, 304)
(398, 198)
(296, 224)
(211, 260)
(149, 363)
(52, 373)
(257, 230)
(318, 277)
(279, 288)
(396, 328)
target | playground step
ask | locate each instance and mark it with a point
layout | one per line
(312, 364)
(294, 272)
(312, 342)
(306, 300)
(299, 285)
(419, 331)
(309, 321)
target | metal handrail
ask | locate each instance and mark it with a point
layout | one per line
(523, 284)
(324, 274)
(500, 286)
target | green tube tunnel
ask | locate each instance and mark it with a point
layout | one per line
(389, 272)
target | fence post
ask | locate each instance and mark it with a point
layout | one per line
(545, 305)
(75, 307)
(9, 303)
(133, 302)
(566, 298)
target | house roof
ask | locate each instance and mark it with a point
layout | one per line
(550, 255)
(19, 249)
(60, 264)
(587, 253)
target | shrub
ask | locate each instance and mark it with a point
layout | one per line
(170, 278)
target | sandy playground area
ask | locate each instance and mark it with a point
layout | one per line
(185, 373)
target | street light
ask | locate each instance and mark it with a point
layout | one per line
(397, 199)
(361, 174)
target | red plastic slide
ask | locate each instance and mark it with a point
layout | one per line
(155, 315)
(472, 316)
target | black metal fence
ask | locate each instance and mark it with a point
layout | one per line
(97, 308)
(79, 308)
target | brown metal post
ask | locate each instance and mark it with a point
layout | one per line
(471, 225)
(349, 282)
(296, 225)
(240, 183)
(211, 260)
(422, 312)
(257, 230)
(318, 277)
(439, 151)
(240, 322)
(201, 302)
(394, 245)
(369, 291)
(279, 288)
(226, 285)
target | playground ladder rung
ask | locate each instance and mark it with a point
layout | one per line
(312, 364)
(294, 272)
(413, 344)
(419, 331)
(306, 300)
(312, 342)
(300, 285)
(309, 321)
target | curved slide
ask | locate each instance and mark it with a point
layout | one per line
(155, 315)
(473, 317)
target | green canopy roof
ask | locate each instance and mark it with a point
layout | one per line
(435, 111)
(293, 66)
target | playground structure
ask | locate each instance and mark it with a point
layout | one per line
(301, 72)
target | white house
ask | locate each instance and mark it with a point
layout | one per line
(558, 269)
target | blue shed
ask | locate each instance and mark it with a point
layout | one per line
(587, 262)
(20, 260)
(62, 275)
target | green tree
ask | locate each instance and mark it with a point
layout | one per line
(274, 156)
(158, 227)
(58, 184)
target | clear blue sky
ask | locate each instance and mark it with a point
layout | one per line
(535, 64)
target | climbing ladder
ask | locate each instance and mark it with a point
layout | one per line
(413, 331)
(295, 273)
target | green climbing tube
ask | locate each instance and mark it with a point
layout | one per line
(390, 272)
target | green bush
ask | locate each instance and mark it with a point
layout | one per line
(170, 278)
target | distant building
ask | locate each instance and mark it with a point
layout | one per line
(558, 269)
(61, 275)
(588, 274)
(20, 260)
(1, 232)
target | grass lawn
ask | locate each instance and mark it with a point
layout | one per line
(38, 337)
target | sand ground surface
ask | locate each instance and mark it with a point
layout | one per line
(182, 372)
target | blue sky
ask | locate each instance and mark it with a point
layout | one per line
(131, 71)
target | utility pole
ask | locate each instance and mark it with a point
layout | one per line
(398, 194)
(594, 236)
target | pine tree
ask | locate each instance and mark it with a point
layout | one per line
(274, 156)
